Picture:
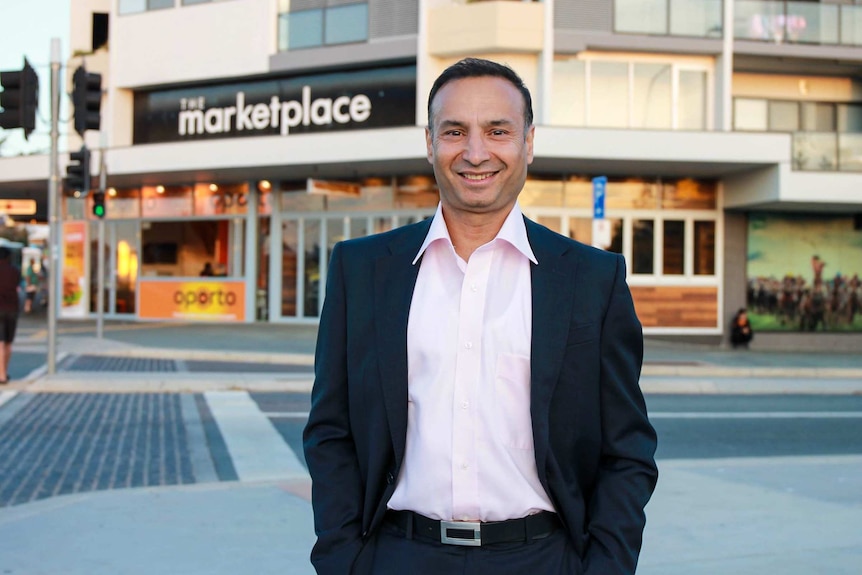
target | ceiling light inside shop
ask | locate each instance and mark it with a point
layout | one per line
(213, 188)
(112, 192)
(160, 189)
(264, 185)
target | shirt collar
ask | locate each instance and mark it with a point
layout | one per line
(513, 231)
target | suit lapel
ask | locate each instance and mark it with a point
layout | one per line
(552, 304)
(394, 281)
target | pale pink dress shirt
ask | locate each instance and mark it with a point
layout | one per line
(469, 453)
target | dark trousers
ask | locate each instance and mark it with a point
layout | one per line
(391, 553)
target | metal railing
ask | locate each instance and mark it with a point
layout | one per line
(777, 21)
(827, 151)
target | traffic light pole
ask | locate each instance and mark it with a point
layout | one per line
(100, 266)
(53, 220)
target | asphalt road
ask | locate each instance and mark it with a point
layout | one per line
(53, 444)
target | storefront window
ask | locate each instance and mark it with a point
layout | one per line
(642, 246)
(123, 203)
(704, 248)
(182, 249)
(218, 199)
(689, 194)
(166, 201)
(547, 193)
(289, 267)
(311, 277)
(673, 247)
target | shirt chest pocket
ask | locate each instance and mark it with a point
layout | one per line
(512, 394)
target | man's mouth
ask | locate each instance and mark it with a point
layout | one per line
(478, 177)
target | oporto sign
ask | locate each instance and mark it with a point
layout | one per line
(325, 102)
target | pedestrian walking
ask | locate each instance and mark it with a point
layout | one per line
(10, 284)
(476, 406)
(31, 280)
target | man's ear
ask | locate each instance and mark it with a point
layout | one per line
(531, 132)
(429, 145)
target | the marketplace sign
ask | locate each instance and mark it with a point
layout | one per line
(382, 97)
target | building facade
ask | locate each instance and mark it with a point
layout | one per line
(252, 135)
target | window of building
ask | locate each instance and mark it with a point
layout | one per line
(643, 234)
(100, 30)
(612, 93)
(331, 25)
(704, 248)
(701, 18)
(134, 6)
(673, 247)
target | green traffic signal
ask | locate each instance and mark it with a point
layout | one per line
(99, 204)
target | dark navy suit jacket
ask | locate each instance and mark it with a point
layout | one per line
(594, 444)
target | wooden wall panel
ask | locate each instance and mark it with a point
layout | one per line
(676, 306)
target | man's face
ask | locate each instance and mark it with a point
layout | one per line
(477, 144)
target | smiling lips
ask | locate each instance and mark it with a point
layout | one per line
(478, 177)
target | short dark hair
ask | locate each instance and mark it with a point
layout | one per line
(478, 68)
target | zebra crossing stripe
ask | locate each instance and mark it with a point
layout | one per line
(257, 449)
(6, 396)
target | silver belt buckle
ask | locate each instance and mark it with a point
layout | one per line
(473, 526)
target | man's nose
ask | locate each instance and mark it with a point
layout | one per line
(476, 150)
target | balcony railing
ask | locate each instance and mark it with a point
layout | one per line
(698, 18)
(798, 22)
(777, 21)
(827, 151)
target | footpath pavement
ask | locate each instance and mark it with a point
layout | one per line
(789, 515)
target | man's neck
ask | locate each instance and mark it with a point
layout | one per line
(471, 231)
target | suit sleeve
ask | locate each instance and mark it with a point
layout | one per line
(336, 493)
(627, 472)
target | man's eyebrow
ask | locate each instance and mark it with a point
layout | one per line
(459, 124)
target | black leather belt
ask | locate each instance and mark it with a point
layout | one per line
(474, 533)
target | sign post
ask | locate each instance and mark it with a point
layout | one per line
(601, 226)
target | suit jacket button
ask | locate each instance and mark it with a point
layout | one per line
(390, 478)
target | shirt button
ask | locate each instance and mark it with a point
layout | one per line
(469, 345)
(465, 404)
(474, 287)
(465, 465)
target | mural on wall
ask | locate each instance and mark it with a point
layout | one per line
(804, 273)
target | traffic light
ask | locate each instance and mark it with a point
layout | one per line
(87, 99)
(99, 204)
(19, 98)
(78, 170)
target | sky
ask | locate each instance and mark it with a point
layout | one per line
(28, 27)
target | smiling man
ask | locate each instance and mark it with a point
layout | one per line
(476, 406)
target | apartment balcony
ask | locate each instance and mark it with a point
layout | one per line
(694, 18)
(827, 152)
(793, 22)
(772, 21)
(464, 28)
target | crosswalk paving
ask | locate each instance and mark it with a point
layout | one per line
(257, 449)
(158, 439)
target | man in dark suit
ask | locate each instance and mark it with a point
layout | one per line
(476, 406)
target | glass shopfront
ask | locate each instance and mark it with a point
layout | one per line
(258, 251)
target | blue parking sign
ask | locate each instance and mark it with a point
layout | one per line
(600, 184)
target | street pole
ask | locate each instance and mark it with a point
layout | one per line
(100, 266)
(53, 211)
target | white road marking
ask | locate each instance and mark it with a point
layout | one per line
(755, 414)
(6, 396)
(257, 449)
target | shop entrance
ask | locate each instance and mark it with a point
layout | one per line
(121, 267)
